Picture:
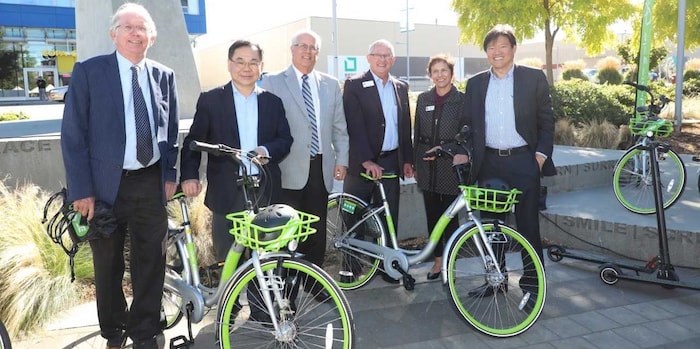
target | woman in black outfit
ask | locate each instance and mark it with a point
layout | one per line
(437, 121)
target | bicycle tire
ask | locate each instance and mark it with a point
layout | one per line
(344, 210)
(516, 302)
(5, 342)
(171, 308)
(306, 321)
(634, 188)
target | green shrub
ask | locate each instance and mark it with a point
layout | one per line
(609, 76)
(582, 101)
(10, 116)
(691, 87)
(691, 74)
(573, 74)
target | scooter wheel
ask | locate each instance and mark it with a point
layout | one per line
(609, 274)
(555, 253)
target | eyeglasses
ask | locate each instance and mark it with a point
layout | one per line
(241, 64)
(377, 55)
(305, 47)
(131, 29)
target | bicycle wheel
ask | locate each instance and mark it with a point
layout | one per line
(312, 311)
(498, 306)
(350, 269)
(4, 337)
(633, 183)
(170, 308)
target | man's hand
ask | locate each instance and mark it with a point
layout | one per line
(263, 157)
(433, 149)
(170, 188)
(191, 187)
(340, 172)
(86, 207)
(540, 160)
(408, 170)
(459, 159)
(373, 169)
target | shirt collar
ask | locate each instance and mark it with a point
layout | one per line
(256, 91)
(300, 74)
(509, 75)
(379, 81)
(125, 64)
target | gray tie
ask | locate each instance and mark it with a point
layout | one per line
(309, 102)
(144, 140)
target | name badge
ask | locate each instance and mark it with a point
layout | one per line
(430, 108)
(366, 84)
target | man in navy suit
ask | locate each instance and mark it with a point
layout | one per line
(244, 116)
(119, 143)
(509, 110)
(379, 126)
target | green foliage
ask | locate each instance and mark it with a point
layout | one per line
(10, 116)
(629, 53)
(9, 69)
(691, 74)
(609, 76)
(665, 17)
(691, 87)
(573, 74)
(587, 22)
(582, 101)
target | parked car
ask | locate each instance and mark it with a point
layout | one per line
(58, 94)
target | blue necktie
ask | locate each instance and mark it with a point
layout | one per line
(144, 140)
(309, 102)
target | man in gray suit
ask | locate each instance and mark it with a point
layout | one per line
(314, 107)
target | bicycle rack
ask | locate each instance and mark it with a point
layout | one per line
(611, 271)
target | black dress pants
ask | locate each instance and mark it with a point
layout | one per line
(140, 213)
(313, 198)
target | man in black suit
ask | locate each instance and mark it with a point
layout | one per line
(119, 143)
(379, 126)
(244, 116)
(509, 110)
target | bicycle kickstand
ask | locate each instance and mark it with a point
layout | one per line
(408, 281)
(181, 341)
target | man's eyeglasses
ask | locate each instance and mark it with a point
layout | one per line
(305, 47)
(131, 29)
(241, 64)
(377, 55)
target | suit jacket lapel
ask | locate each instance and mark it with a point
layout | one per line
(230, 120)
(375, 95)
(517, 97)
(113, 79)
(156, 94)
(294, 87)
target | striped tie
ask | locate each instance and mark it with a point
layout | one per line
(144, 140)
(309, 102)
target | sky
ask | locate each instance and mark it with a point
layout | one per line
(231, 19)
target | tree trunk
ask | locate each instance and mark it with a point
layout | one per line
(548, 44)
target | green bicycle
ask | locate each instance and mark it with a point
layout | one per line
(274, 299)
(632, 175)
(494, 276)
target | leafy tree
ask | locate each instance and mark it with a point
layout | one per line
(665, 18)
(584, 21)
(630, 53)
(9, 68)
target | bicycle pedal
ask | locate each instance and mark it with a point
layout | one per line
(184, 342)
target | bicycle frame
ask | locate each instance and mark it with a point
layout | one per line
(407, 258)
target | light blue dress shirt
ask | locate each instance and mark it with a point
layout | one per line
(500, 113)
(387, 96)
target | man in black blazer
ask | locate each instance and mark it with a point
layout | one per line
(244, 116)
(119, 143)
(509, 110)
(379, 126)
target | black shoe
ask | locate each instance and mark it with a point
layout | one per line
(487, 290)
(389, 279)
(433, 276)
(260, 316)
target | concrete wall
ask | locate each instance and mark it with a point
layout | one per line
(172, 46)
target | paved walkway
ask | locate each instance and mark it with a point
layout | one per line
(581, 312)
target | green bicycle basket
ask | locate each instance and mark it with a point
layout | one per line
(272, 228)
(491, 200)
(660, 127)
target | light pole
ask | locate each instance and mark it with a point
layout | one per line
(407, 28)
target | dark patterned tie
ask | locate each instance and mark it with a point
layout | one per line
(309, 102)
(144, 140)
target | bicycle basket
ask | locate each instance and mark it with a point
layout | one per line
(491, 200)
(660, 127)
(271, 229)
